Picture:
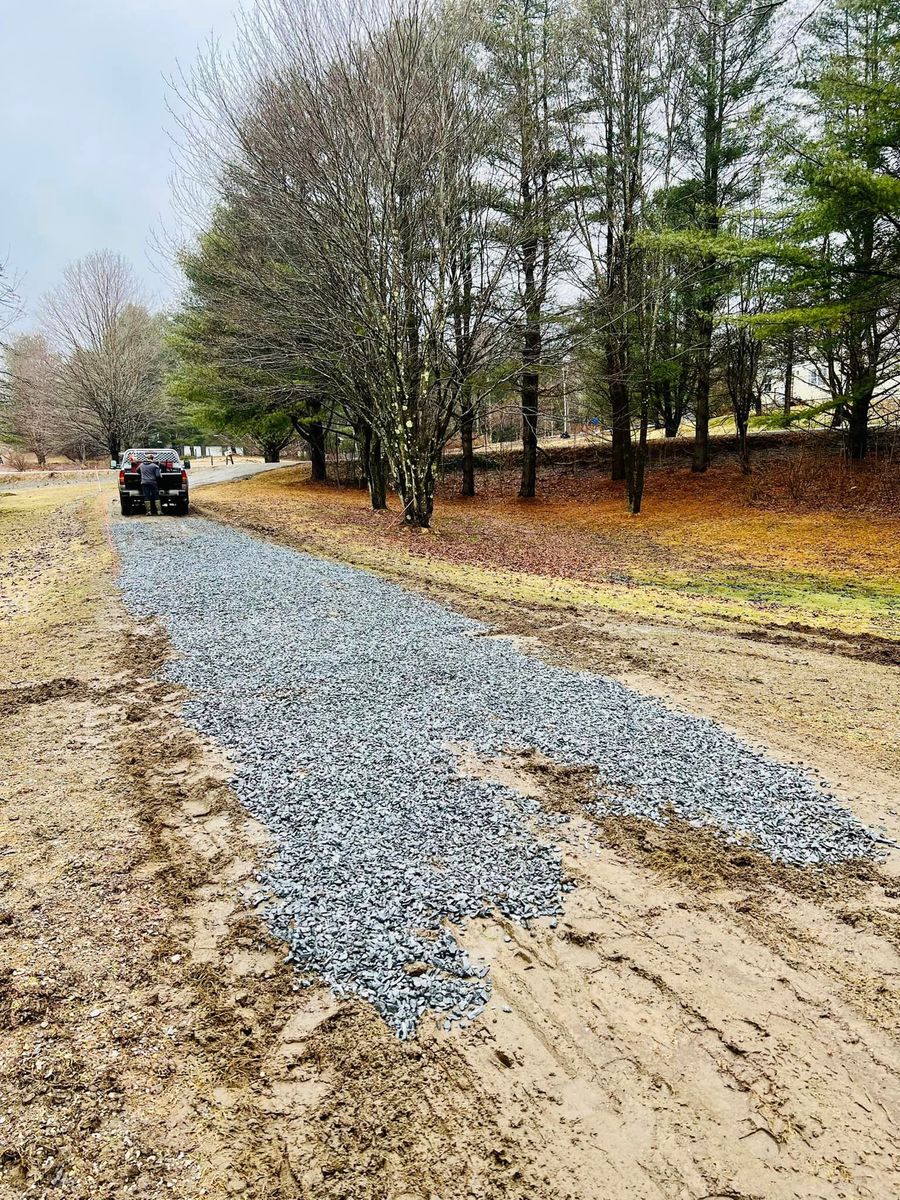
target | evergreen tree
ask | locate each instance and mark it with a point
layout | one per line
(239, 337)
(730, 81)
(847, 180)
(525, 71)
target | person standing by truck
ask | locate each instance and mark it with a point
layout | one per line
(151, 478)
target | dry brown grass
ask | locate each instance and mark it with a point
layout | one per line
(699, 551)
(812, 479)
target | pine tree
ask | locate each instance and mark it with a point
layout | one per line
(525, 71)
(847, 177)
(732, 61)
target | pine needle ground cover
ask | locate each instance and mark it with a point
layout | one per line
(702, 553)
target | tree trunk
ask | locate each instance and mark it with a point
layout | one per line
(467, 431)
(743, 449)
(858, 423)
(704, 374)
(789, 376)
(462, 328)
(530, 383)
(637, 462)
(316, 441)
(671, 419)
(417, 494)
(528, 484)
(659, 418)
(713, 125)
(313, 433)
(619, 408)
(621, 430)
(271, 454)
(863, 363)
(375, 471)
(114, 446)
(373, 464)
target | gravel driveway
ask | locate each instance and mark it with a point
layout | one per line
(340, 697)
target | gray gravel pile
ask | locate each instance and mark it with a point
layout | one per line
(340, 695)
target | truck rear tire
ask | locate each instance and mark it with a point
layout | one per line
(126, 506)
(181, 506)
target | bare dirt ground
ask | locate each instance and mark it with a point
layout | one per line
(698, 1026)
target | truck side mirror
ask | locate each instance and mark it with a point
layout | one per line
(186, 464)
(113, 465)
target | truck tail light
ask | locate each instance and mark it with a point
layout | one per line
(183, 475)
(121, 477)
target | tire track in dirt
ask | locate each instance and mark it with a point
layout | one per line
(664, 1023)
(153, 1043)
(662, 1042)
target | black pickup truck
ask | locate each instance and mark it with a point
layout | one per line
(173, 487)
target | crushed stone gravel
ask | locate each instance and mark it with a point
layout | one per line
(340, 697)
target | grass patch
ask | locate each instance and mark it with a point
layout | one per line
(55, 567)
(840, 601)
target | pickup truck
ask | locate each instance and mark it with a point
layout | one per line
(173, 487)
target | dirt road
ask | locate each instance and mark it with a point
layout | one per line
(699, 1024)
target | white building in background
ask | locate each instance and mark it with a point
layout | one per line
(209, 451)
(809, 387)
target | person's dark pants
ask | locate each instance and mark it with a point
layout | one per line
(151, 497)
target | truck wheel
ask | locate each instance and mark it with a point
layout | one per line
(126, 506)
(181, 506)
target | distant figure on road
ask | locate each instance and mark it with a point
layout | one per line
(151, 477)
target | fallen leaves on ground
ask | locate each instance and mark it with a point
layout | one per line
(699, 546)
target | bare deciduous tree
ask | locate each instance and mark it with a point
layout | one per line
(348, 137)
(109, 351)
(31, 411)
(9, 299)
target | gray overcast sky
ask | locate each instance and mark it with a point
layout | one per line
(84, 154)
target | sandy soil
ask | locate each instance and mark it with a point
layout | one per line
(699, 1025)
